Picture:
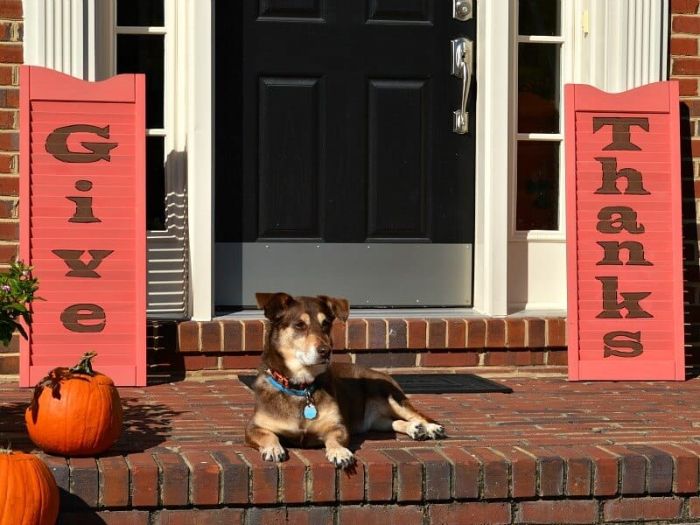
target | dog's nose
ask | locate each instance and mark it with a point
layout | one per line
(324, 351)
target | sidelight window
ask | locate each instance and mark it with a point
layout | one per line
(140, 48)
(538, 203)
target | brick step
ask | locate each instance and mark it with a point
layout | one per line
(552, 451)
(227, 344)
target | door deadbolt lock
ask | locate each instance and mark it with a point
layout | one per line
(462, 67)
(462, 10)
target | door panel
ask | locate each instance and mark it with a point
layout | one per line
(345, 113)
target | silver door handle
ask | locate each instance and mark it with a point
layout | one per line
(462, 66)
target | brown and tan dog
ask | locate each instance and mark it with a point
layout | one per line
(304, 400)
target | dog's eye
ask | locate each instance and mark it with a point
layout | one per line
(300, 325)
(326, 324)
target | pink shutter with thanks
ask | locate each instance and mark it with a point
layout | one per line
(82, 222)
(625, 283)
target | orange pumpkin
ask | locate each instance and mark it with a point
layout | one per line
(75, 412)
(28, 492)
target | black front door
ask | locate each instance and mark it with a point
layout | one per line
(338, 170)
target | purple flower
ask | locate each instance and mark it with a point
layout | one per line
(5, 287)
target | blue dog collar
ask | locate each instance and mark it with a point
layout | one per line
(291, 391)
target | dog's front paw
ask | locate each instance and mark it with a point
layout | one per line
(435, 431)
(417, 431)
(341, 457)
(274, 453)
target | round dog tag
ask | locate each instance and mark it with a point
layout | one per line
(310, 412)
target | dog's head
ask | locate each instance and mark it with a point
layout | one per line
(300, 332)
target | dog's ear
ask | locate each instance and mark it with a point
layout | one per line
(339, 306)
(273, 303)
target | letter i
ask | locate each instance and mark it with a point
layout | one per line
(83, 205)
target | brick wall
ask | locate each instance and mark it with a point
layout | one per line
(11, 33)
(684, 66)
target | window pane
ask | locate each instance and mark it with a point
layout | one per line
(539, 17)
(538, 88)
(155, 183)
(144, 54)
(537, 206)
(140, 13)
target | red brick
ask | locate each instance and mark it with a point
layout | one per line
(579, 471)
(7, 119)
(200, 517)
(685, 468)
(84, 480)
(515, 333)
(633, 470)
(684, 46)
(264, 478)
(437, 474)
(556, 332)
(684, 6)
(550, 470)
(659, 469)
(688, 87)
(557, 357)
(7, 165)
(233, 336)
(11, 9)
(321, 475)
(448, 358)
(375, 514)
(174, 479)
(234, 478)
(409, 476)
(9, 98)
(13, 347)
(646, 509)
(398, 333)
(495, 333)
(144, 480)
(495, 474)
(8, 209)
(563, 511)
(470, 513)
(5, 31)
(465, 473)
(338, 335)
(378, 475)
(417, 333)
(9, 364)
(476, 333)
(694, 507)
(188, 336)
(200, 362)
(437, 333)
(240, 361)
(204, 478)
(351, 484)
(210, 333)
(6, 75)
(114, 482)
(605, 471)
(685, 66)
(11, 53)
(536, 333)
(357, 334)
(253, 335)
(9, 231)
(456, 333)
(523, 469)
(685, 24)
(376, 333)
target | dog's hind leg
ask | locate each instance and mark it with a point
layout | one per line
(410, 421)
(267, 443)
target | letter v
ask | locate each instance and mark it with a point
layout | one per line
(77, 267)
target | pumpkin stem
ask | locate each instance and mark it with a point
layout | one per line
(85, 364)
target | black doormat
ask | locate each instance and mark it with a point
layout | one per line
(434, 384)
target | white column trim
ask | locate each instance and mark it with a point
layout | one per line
(200, 153)
(493, 156)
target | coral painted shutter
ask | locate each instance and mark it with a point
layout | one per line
(82, 222)
(625, 284)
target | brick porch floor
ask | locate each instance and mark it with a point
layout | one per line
(550, 452)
